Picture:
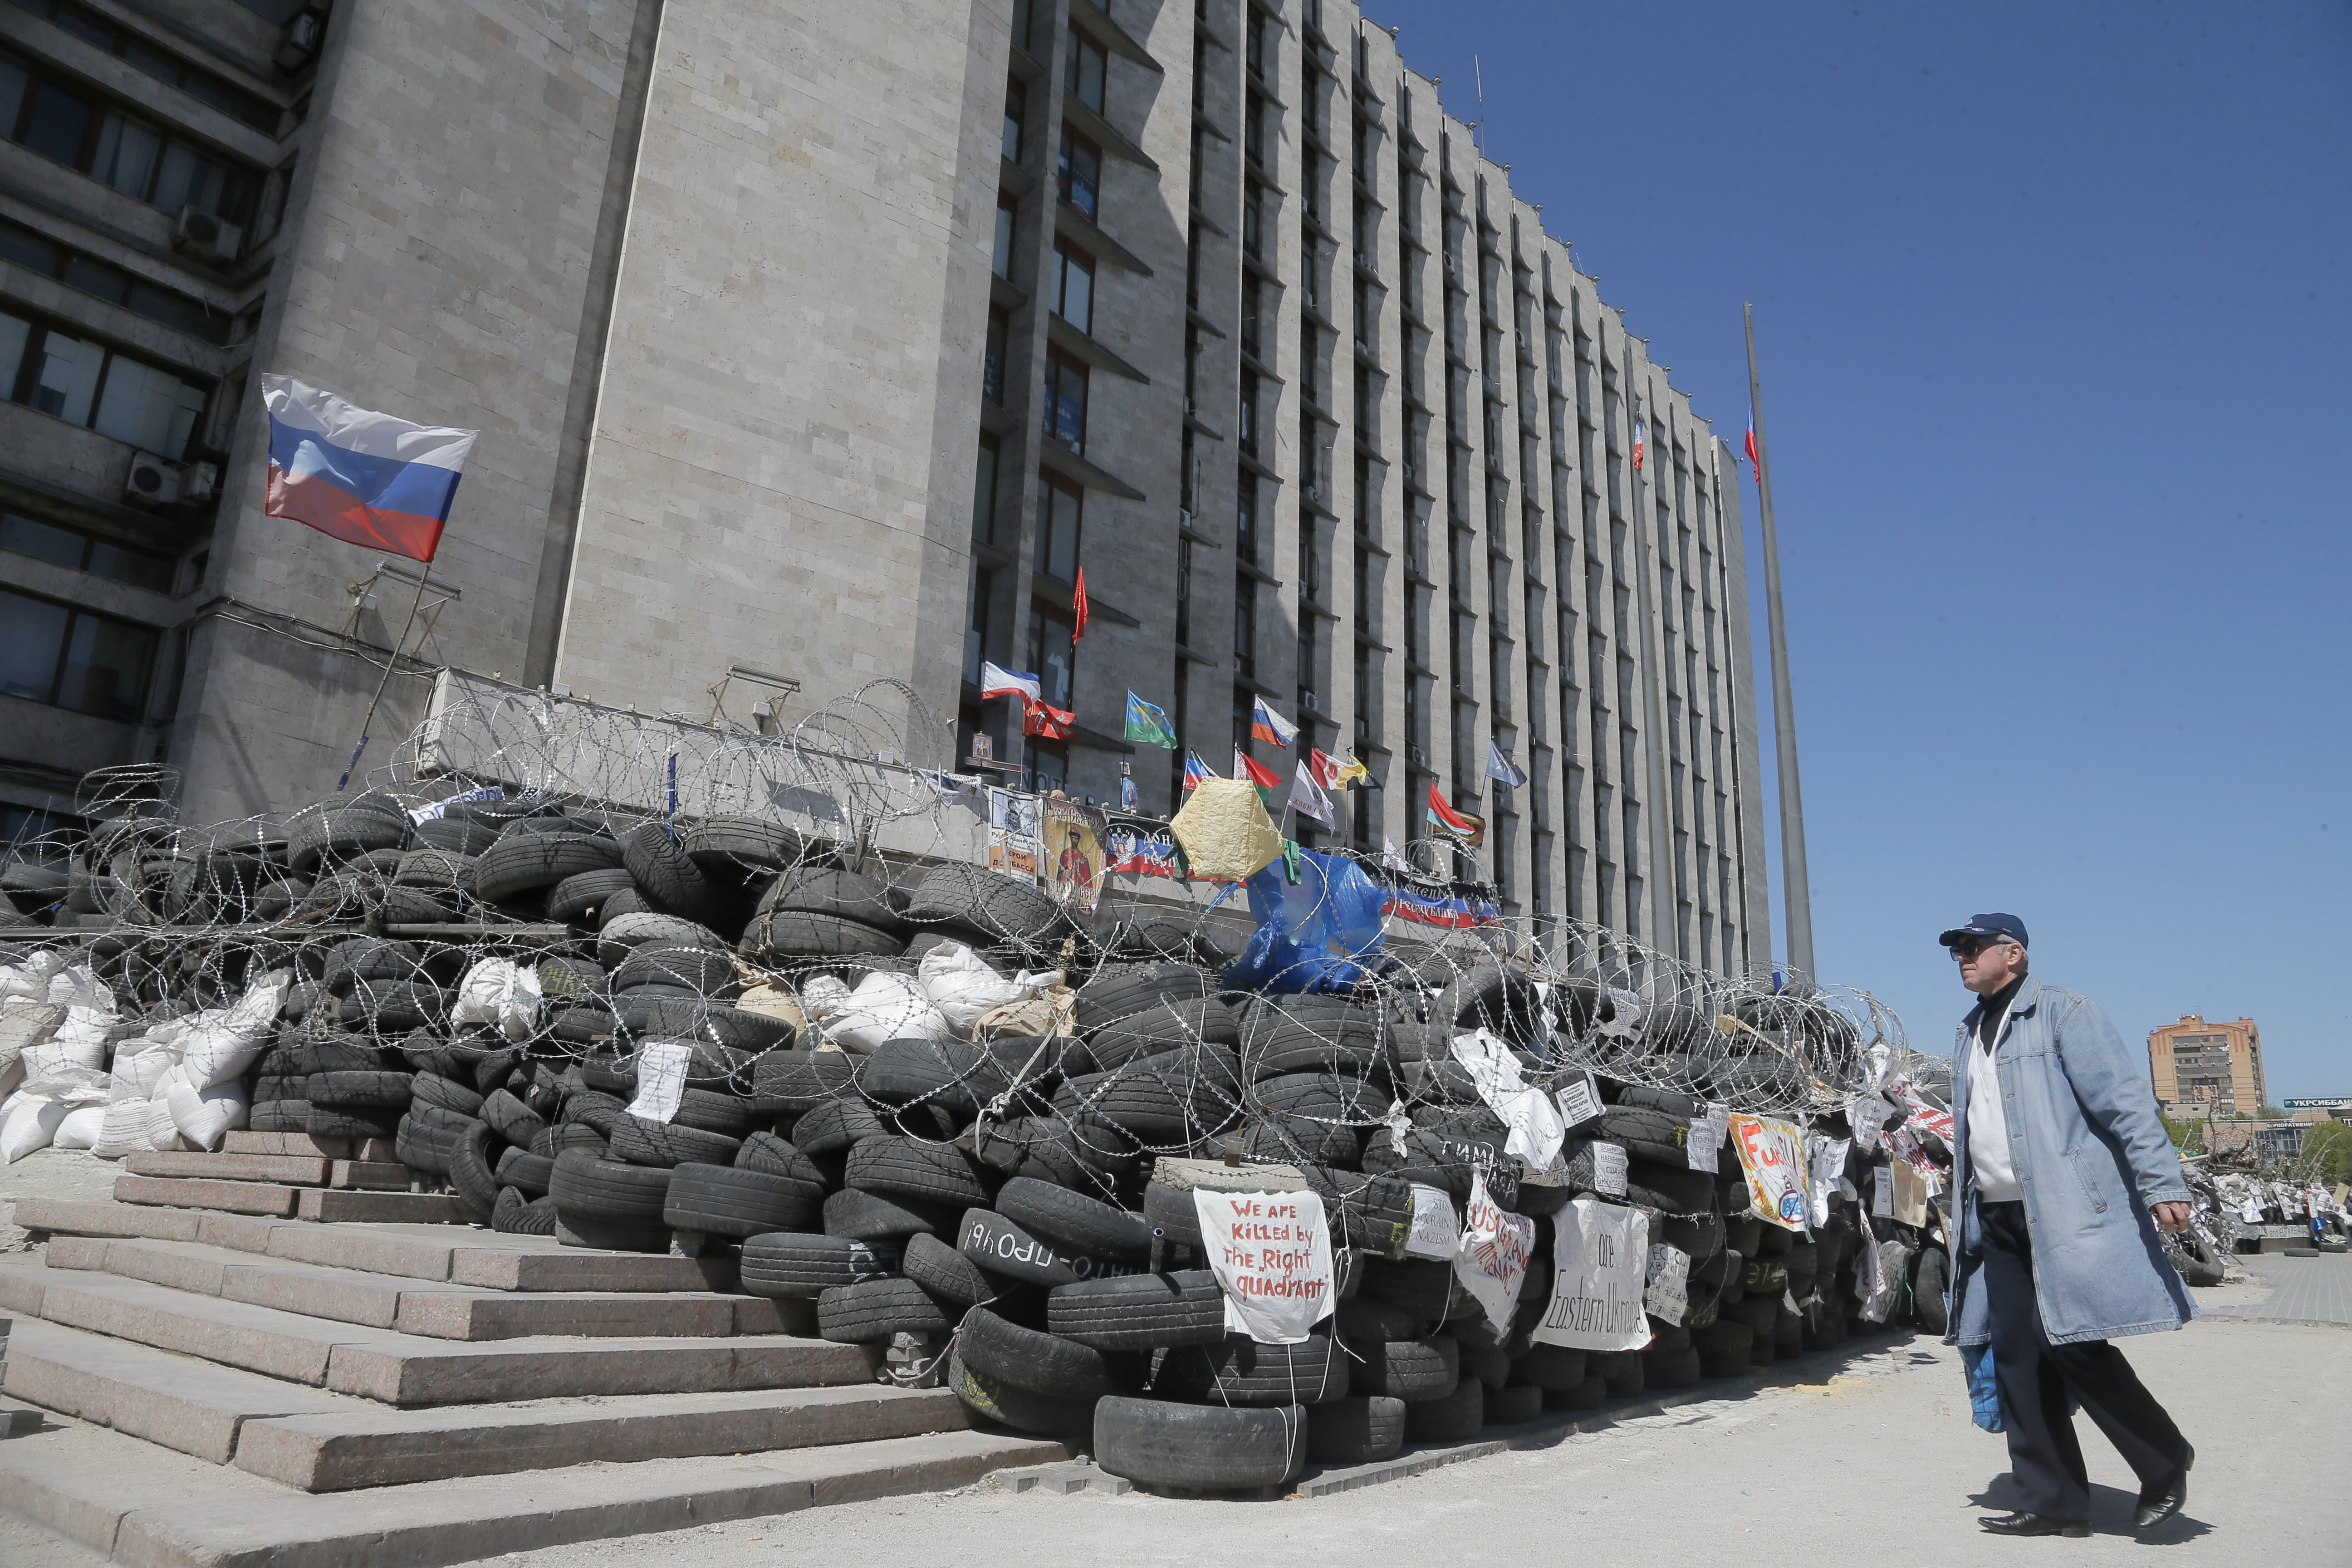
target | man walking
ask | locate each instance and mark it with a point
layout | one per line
(2066, 1175)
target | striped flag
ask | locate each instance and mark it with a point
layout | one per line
(1640, 439)
(1196, 770)
(995, 682)
(1754, 463)
(1269, 726)
(1470, 830)
(366, 479)
(1266, 780)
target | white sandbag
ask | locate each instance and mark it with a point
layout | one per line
(77, 985)
(207, 1116)
(80, 1128)
(962, 986)
(500, 992)
(823, 995)
(29, 1127)
(218, 1045)
(139, 1065)
(29, 980)
(72, 1088)
(887, 1006)
(79, 1042)
(134, 1127)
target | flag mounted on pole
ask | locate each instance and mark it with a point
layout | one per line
(366, 479)
(1309, 800)
(1641, 437)
(1266, 780)
(1754, 463)
(1502, 769)
(1046, 722)
(1351, 772)
(1078, 607)
(1196, 770)
(1322, 767)
(1391, 856)
(1470, 830)
(1269, 726)
(995, 682)
(1147, 725)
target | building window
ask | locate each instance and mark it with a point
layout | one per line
(65, 547)
(1000, 262)
(1057, 532)
(1065, 401)
(1049, 766)
(70, 658)
(1080, 173)
(36, 253)
(983, 492)
(975, 631)
(1245, 517)
(1245, 626)
(1253, 220)
(992, 365)
(85, 383)
(1016, 112)
(1249, 428)
(1083, 78)
(1183, 592)
(1073, 291)
(1053, 655)
(85, 132)
(231, 101)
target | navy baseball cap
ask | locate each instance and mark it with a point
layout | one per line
(1987, 925)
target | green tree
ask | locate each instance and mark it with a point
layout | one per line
(2188, 1137)
(2330, 1143)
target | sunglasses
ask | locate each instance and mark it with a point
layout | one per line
(1969, 947)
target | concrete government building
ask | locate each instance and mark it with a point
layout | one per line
(831, 340)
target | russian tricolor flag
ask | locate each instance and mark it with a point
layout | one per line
(365, 479)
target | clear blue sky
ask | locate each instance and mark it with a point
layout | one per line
(2053, 312)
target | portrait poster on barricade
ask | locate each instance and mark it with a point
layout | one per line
(1601, 1254)
(1491, 1260)
(1271, 1253)
(1013, 820)
(1073, 852)
(1910, 1195)
(1772, 1153)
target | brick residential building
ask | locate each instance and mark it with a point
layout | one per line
(832, 339)
(2202, 1068)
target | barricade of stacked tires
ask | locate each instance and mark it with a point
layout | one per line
(1013, 1210)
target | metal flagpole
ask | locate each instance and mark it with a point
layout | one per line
(414, 606)
(1795, 886)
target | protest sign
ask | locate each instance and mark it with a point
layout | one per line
(1704, 1147)
(1535, 1128)
(1436, 1231)
(1600, 1253)
(1668, 1295)
(1910, 1195)
(1609, 1166)
(1772, 1153)
(1014, 846)
(1827, 1171)
(661, 1079)
(1271, 1253)
(1579, 1101)
(1492, 1259)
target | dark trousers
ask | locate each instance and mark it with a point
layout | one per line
(2036, 1377)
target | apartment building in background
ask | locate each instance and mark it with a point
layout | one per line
(2208, 1068)
(834, 341)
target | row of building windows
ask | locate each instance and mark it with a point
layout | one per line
(86, 132)
(74, 659)
(63, 546)
(206, 87)
(38, 253)
(86, 382)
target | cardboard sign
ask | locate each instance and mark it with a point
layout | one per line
(1435, 1231)
(1609, 1170)
(1600, 1253)
(1910, 1195)
(1772, 1153)
(1579, 1101)
(1492, 1259)
(1882, 1192)
(1668, 1297)
(1271, 1253)
(661, 1079)
(1704, 1147)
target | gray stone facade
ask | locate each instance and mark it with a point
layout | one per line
(760, 312)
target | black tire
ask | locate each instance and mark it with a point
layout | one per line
(722, 1200)
(695, 969)
(710, 1023)
(786, 1082)
(1270, 1136)
(947, 1273)
(456, 836)
(610, 1236)
(1140, 1312)
(1515, 1407)
(1427, 1289)
(578, 900)
(471, 1181)
(432, 1089)
(1157, 1443)
(1162, 1028)
(770, 1155)
(1175, 1099)
(1668, 1369)
(1360, 1429)
(1021, 1409)
(1647, 1132)
(341, 1053)
(1325, 1096)
(516, 1123)
(395, 1007)
(1410, 1370)
(665, 874)
(339, 833)
(288, 1116)
(1723, 1348)
(643, 1142)
(569, 1136)
(797, 1266)
(903, 1168)
(790, 933)
(1074, 1221)
(358, 1090)
(1238, 1370)
(1275, 1043)
(832, 892)
(1003, 1248)
(1116, 993)
(724, 843)
(530, 1172)
(869, 1311)
(352, 1121)
(524, 863)
(517, 1214)
(1931, 1284)
(608, 1190)
(985, 902)
(870, 1217)
(836, 1127)
(1554, 1368)
(1031, 1359)
(1454, 1416)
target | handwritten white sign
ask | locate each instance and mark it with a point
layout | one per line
(1271, 1253)
(1600, 1253)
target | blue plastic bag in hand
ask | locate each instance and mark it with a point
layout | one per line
(1984, 1389)
(1312, 934)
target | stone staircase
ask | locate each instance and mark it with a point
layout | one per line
(230, 1387)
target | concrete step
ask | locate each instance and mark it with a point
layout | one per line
(320, 1441)
(278, 1201)
(137, 1504)
(371, 1149)
(461, 1256)
(292, 1170)
(409, 1369)
(434, 1308)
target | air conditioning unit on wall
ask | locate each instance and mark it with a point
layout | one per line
(202, 235)
(298, 45)
(155, 481)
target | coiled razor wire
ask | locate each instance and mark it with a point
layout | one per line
(181, 916)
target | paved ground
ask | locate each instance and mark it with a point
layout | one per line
(51, 1173)
(2306, 1289)
(1879, 1469)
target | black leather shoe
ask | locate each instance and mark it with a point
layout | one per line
(2035, 1524)
(2162, 1500)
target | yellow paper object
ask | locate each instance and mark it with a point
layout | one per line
(1224, 830)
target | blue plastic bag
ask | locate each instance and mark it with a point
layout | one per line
(1984, 1389)
(1312, 935)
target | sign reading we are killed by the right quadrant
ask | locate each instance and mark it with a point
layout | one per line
(1271, 1253)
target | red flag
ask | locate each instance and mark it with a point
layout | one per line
(1461, 824)
(1249, 767)
(1048, 721)
(1754, 463)
(1322, 768)
(1078, 603)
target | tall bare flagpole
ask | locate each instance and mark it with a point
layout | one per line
(1795, 886)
